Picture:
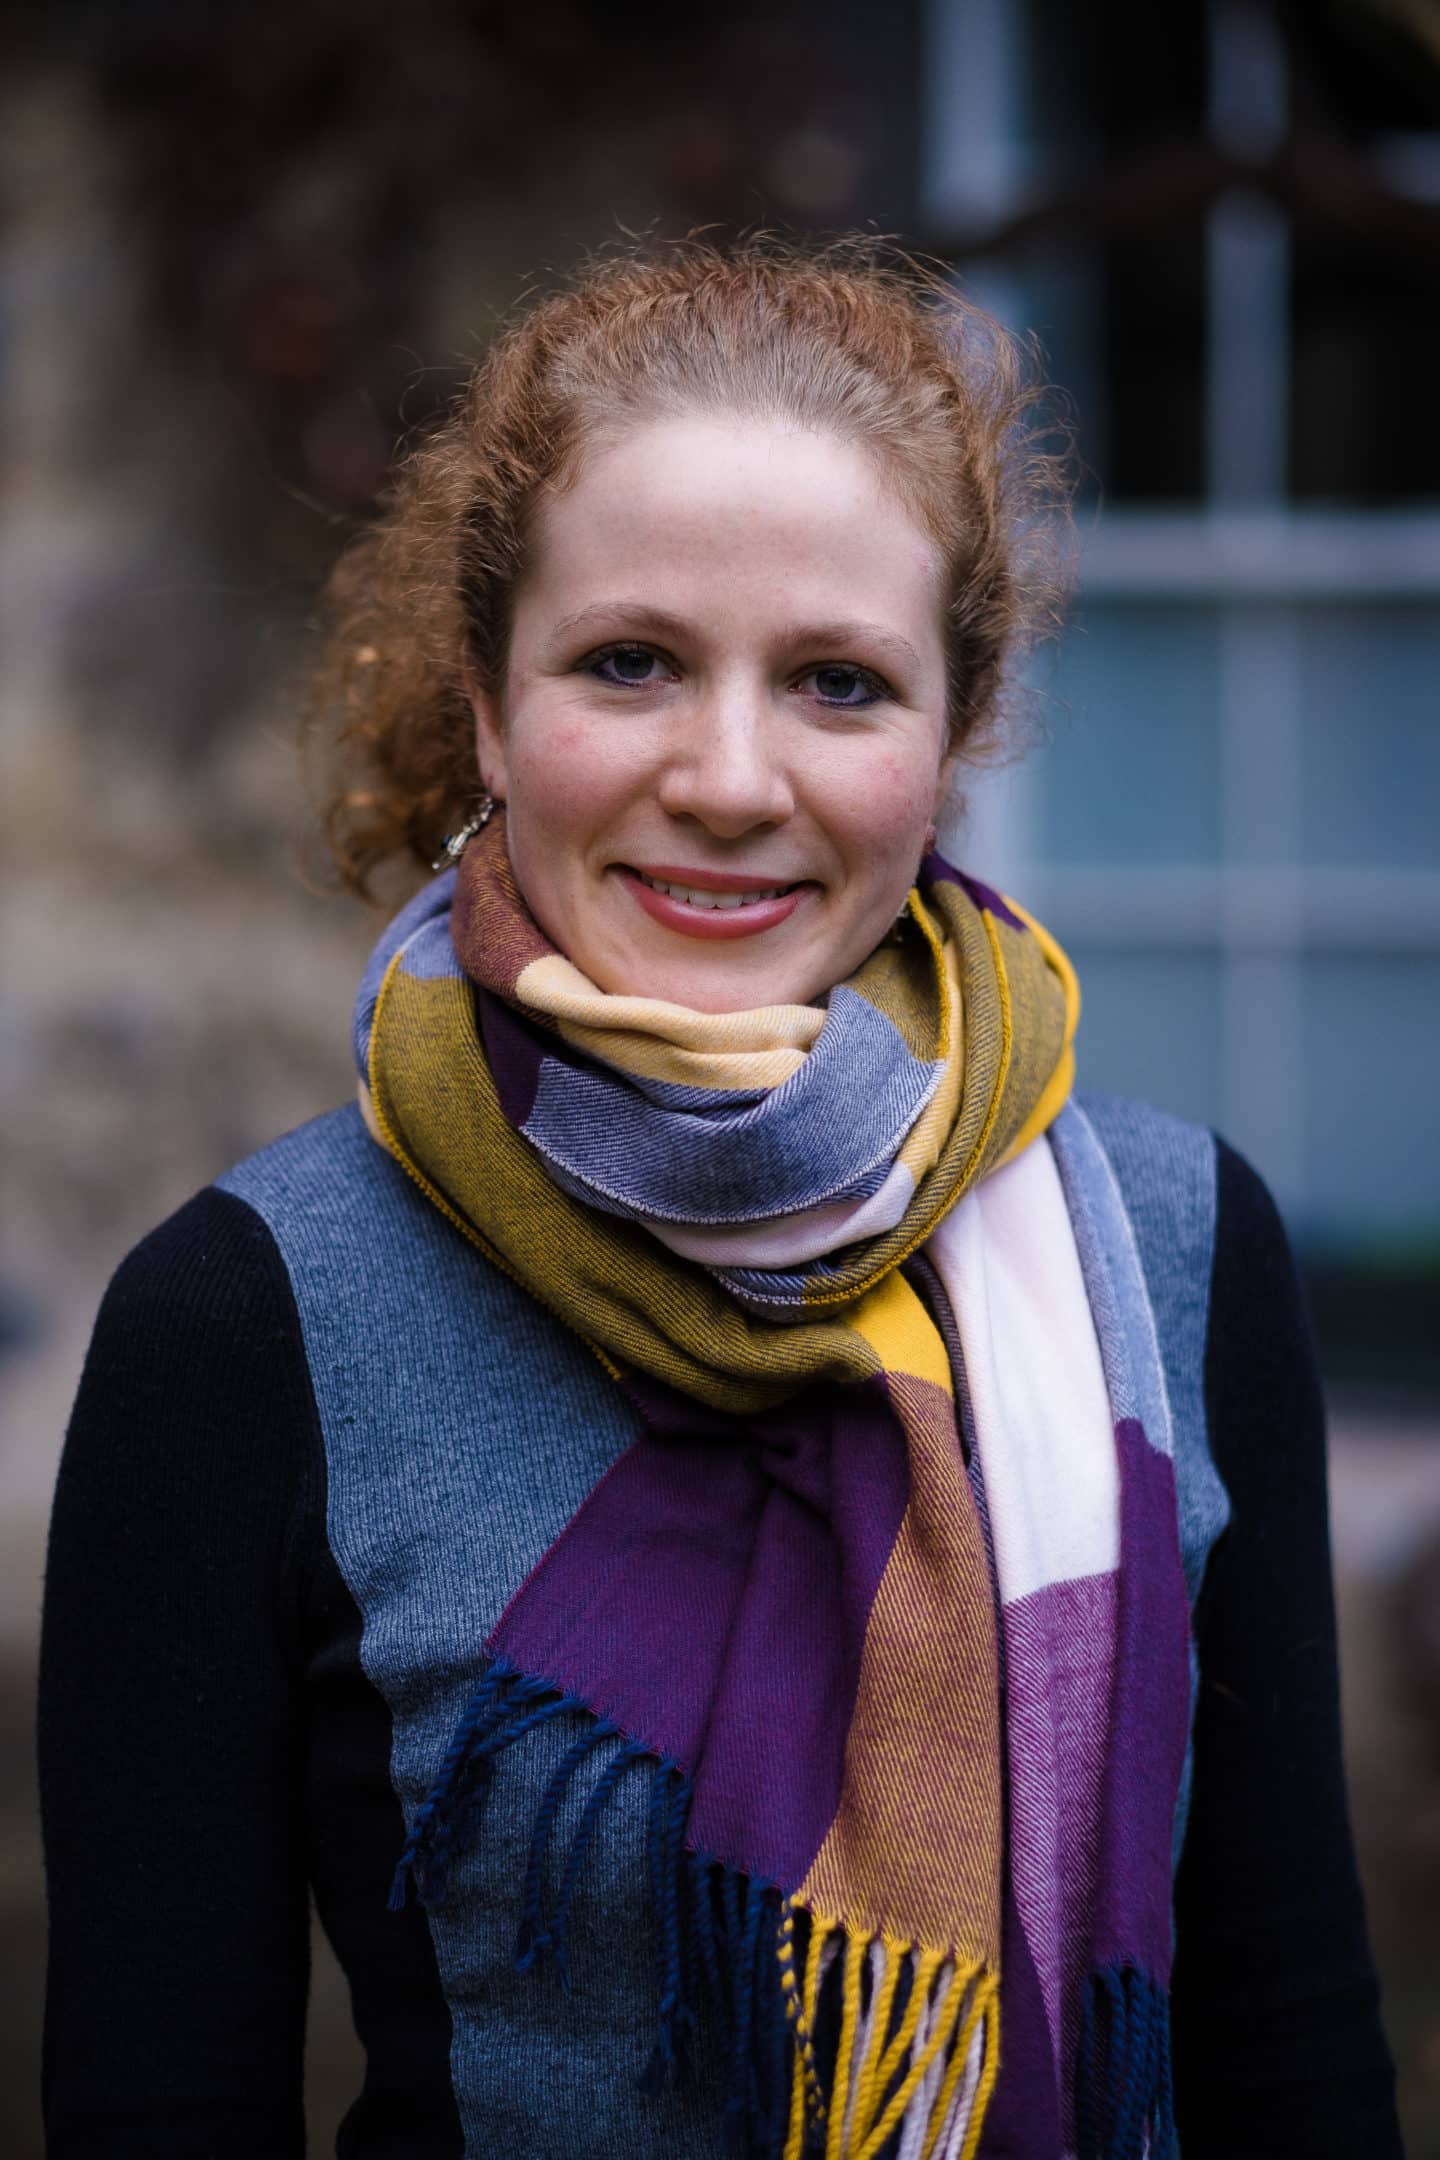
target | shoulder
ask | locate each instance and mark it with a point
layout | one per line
(204, 1290)
(194, 1415)
(1251, 1238)
(1227, 1295)
(330, 1164)
(1162, 1171)
(342, 1213)
(211, 1281)
(1226, 1298)
(1164, 1165)
(1261, 1345)
(388, 1289)
(1210, 1233)
(199, 1332)
(1184, 1173)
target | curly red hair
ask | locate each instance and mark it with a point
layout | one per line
(855, 338)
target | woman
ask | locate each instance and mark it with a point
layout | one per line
(723, 1479)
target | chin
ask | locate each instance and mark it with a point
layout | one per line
(737, 997)
(717, 991)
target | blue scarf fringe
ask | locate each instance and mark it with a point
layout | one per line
(1125, 2108)
(716, 1931)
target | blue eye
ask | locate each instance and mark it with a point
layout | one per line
(624, 664)
(838, 684)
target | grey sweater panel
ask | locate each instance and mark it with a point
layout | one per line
(463, 1427)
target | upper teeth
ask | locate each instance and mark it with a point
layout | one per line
(699, 896)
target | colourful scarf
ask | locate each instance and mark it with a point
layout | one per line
(780, 1599)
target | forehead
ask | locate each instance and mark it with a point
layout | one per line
(723, 510)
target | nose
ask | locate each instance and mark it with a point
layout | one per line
(725, 771)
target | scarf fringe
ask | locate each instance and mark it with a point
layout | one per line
(1125, 2107)
(833, 2045)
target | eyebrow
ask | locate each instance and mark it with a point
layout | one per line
(841, 634)
(831, 636)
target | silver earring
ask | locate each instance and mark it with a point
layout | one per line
(457, 842)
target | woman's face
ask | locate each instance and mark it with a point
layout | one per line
(721, 736)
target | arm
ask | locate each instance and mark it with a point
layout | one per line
(172, 1745)
(1278, 2045)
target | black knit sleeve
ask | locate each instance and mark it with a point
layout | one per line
(172, 1743)
(1278, 2043)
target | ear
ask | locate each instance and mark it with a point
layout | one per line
(489, 736)
(945, 789)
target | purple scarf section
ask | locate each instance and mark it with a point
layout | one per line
(750, 1550)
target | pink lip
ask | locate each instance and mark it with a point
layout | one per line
(697, 922)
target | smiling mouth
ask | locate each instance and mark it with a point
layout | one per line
(705, 896)
(725, 905)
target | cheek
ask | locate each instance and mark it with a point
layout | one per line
(880, 814)
(564, 775)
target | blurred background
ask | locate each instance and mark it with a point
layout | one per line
(243, 250)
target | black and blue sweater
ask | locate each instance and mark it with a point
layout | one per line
(318, 1441)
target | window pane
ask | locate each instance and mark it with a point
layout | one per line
(1372, 1125)
(1150, 1026)
(1370, 791)
(1131, 774)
